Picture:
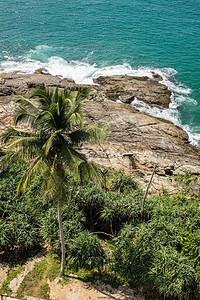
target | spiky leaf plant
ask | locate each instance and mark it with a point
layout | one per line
(55, 127)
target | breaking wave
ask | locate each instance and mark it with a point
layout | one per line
(82, 72)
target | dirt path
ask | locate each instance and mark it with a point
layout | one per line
(73, 290)
(78, 290)
(15, 283)
(3, 273)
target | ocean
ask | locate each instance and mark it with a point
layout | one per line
(82, 39)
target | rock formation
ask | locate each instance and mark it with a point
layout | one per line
(136, 141)
(126, 88)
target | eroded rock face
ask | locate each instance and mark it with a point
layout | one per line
(20, 84)
(149, 140)
(126, 88)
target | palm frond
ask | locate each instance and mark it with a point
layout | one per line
(73, 113)
(2, 152)
(47, 146)
(70, 157)
(89, 170)
(10, 157)
(28, 147)
(27, 104)
(55, 96)
(44, 97)
(22, 142)
(28, 174)
(12, 134)
(24, 116)
(78, 136)
(83, 92)
(68, 95)
(97, 132)
(75, 119)
(46, 120)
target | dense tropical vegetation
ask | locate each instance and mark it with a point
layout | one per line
(49, 143)
(103, 230)
(157, 251)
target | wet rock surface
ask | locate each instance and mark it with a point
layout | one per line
(148, 140)
(128, 88)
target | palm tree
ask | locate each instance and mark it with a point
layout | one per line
(54, 123)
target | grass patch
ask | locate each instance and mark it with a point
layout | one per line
(11, 274)
(83, 274)
(44, 291)
(54, 268)
(40, 268)
(31, 283)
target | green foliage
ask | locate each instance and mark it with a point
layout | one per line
(1, 152)
(121, 182)
(173, 274)
(19, 214)
(159, 253)
(45, 290)
(11, 274)
(55, 128)
(86, 251)
(190, 246)
(163, 253)
(121, 209)
(186, 178)
(109, 210)
(90, 200)
(73, 224)
(130, 260)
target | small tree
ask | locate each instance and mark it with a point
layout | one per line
(55, 122)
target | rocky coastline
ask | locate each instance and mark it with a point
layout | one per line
(136, 141)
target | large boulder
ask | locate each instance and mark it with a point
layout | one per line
(126, 88)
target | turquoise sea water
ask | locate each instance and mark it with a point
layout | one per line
(82, 39)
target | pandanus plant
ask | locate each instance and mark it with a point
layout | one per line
(53, 123)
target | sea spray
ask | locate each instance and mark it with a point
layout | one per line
(82, 72)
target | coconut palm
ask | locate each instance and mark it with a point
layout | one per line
(54, 128)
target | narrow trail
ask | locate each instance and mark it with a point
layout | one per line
(75, 289)
(78, 290)
(15, 283)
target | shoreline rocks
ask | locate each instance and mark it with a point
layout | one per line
(128, 88)
(148, 139)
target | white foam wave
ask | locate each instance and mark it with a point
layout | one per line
(83, 72)
(170, 114)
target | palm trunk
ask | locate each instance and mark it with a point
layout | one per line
(62, 270)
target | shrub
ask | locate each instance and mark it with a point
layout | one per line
(85, 251)
(20, 213)
(73, 221)
(90, 200)
(173, 274)
(121, 182)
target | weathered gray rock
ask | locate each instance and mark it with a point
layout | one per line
(42, 71)
(150, 140)
(12, 84)
(126, 88)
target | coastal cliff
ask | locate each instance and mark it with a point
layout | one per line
(136, 141)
